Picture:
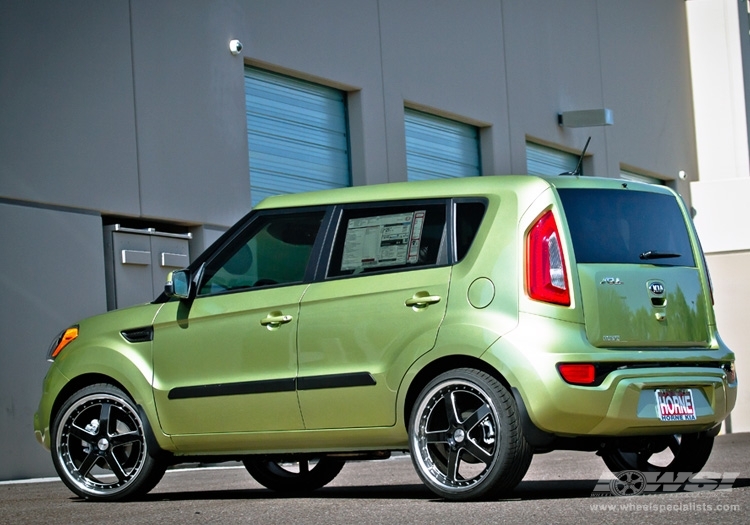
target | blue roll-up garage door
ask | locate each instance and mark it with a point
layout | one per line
(296, 134)
(543, 160)
(439, 148)
(637, 177)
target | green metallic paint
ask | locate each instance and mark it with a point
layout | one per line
(528, 356)
(344, 440)
(220, 340)
(101, 351)
(623, 314)
(358, 325)
(363, 324)
(481, 293)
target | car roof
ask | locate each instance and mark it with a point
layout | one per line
(446, 188)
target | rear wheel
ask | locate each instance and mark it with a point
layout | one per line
(99, 446)
(294, 473)
(465, 437)
(674, 453)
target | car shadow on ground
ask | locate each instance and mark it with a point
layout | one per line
(395, 492)
(525, 491)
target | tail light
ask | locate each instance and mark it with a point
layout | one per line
(546, 278)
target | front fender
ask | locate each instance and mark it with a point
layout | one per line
(128, 365)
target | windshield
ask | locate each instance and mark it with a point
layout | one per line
(626, 226)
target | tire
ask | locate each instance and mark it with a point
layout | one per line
(465, 437)
(674, 453)
(295, 474)
(99, 446)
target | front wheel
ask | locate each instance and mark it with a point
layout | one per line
(465, 437)
(99, 446)
(295, 474)
(673, 453)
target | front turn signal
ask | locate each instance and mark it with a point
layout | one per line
(61, 341)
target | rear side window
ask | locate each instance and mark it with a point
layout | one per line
(625, 226)
(389, 238)
(468, 219)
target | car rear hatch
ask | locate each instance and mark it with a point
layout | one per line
(640, 284)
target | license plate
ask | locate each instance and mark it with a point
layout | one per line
(675, 405)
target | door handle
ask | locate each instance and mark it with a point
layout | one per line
(275, 319)
(422, 300)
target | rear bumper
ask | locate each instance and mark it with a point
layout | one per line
(624, 404)
(627, 405)
(542, 441)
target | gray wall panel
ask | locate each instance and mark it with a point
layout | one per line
(51, 275)
(190, 110)
(67, 132)
(644, 51)
(447, 58)
(552, 51)
(333, 42)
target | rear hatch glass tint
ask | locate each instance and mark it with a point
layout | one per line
(640, 286)
(626, 226)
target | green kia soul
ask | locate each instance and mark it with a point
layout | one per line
(472, 322)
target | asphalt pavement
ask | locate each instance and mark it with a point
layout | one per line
(560, 487)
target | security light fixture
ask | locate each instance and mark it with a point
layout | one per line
(585, 118)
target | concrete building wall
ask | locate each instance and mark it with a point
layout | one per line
(190, 112)
(645, 64)
(135, 110)
(720, 60)
(553, 59)
(731, 291)
(51, 274)
(67, 117)
(428, 60)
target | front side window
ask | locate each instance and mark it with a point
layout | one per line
(274, 250)
(389, 238)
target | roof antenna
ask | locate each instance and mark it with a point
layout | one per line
(576, 172)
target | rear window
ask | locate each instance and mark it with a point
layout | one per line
(625, 226)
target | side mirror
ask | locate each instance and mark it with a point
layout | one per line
(178, 284)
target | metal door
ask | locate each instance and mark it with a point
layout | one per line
(138, 262)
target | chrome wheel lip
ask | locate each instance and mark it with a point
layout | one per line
(460, 436)
(88, 483)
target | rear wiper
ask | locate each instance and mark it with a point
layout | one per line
(659, 255)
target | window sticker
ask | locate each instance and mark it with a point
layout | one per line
(382, 241)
